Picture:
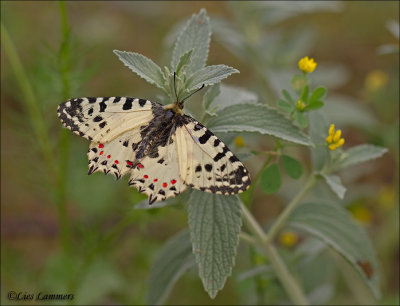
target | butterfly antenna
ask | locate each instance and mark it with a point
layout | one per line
(176, 95)
(183, 100)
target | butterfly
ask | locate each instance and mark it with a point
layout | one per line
(162, 149)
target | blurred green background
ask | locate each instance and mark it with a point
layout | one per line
(113, 245)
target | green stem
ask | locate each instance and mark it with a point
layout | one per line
(288, 210)
(30, 102)
(292, 288)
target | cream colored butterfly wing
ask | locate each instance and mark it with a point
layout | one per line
(159, 177)
(206, 163)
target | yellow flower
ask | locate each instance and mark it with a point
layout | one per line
(307, 65)
(300, 105)
(288, 238)
(239, 142)
(375, 80)
(333, 140)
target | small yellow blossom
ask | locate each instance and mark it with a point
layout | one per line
(300, 105)
(387, 197)
(361, 213)
(375, 80)
(307, 65)
(333, 140)
(239, 142)
(288, 238)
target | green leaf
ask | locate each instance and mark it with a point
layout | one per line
(287, 96)
(230, 95)
(314, 105)
(257, 118)
(214, 223)
(172, 261)
(292, 167)
(195, 35)
(184, 60)
(209, 75)
(304, 94)
(271, 179)
(286, 106)
(317, 94)
(143, 67)
(336, 185)
(335, 226)
(210, 95)
(301, 119)
(359, 154)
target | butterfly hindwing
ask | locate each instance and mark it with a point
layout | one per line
(206, 163)
(158, 177)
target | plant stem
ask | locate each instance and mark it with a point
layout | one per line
(30, 102)
(287, 211)
(289, 283)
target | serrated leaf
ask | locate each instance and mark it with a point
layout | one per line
(210, 95)
(301, 119)
(271, 179)
(292, 167)
(287, 96)
(184, 60)
(336, 184)
(317, 94)
(314, 105)
(173, 260)
(335, 226)
(195, 35)
(359, 154)
(230, 95)
(209, 75)
(286, 106)
(143, 67)
(257, 118)
(214, 224)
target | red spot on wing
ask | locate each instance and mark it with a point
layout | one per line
(101, 145)
(155, 180)
(173, 182)
(145, 176)
(116, 161)
(101, 153)
(140, 166)
(108, 156)
(129, 163)
(164, 185)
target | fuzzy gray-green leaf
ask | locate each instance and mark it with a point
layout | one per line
(172, 261)
(143, 67)
(209, 75)
(335, 226)
(214, 223)
(336, 184)
(195, 35)
(359, 154)
(257, 118)
(184, 60)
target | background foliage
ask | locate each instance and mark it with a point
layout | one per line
(115, 245)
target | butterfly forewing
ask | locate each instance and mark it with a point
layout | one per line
(163, 151)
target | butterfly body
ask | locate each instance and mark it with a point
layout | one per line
(162, 149)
